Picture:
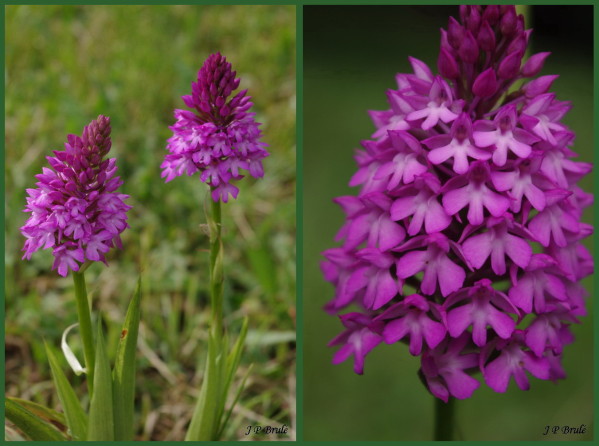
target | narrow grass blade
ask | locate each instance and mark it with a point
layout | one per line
(51, 416)
(204, 420)
(234, 357)
(48, 415)
(221, 400)
(32, 425)
(101, 419)
(74, 414)
(227, 371)
(123, 375)
(225, 419)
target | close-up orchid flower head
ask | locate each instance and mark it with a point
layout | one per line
(465, 238)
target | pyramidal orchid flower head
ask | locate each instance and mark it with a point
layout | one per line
(464, 240)
(76, 209)
(220, 138)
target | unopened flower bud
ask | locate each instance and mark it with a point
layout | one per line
(447, 65)
(486, 37)
(509, 22)
(491, 14)
(485, 84)
(539, 86)
(464, 12)
(534, 64)
(518, 45)
(469, 48)
(455, 33)
(473, 22)
(509, 67)
(444, 44)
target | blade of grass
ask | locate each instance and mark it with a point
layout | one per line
(123, 375)
(202, 426)
(51, 416)
(225, 419)
(227, 371)
(33, 426)
(101, 419)
(75, 416)
(221, 399)
(235, 356)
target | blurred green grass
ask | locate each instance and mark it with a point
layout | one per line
(351, 55)
(65, 65)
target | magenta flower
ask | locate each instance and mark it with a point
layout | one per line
(435, 262)
(457, 145)
(481, 306)
(502, 135)
(76, 209)
(357, 340)
(514, 360)
(412, 316)
(464, 241)
(220, 138)
(446, 368)
(472, 191)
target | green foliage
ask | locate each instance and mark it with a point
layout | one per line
(75, 416)
(51, 416)
(210, 417)
(123, 374)
(34, 426)
(101, 413)
(204, 423)
(65, 65)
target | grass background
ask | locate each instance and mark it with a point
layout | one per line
(351, 55)
(65, 65)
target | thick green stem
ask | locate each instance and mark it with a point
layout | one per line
(216, 269)
(444, 419)
(85, 327)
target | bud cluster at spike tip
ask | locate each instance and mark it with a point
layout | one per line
(221, 138)
(76, 209)
(468, 219)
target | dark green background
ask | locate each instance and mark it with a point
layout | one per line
(351, 55)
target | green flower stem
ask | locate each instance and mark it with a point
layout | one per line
(205, 421)
(85, 327)
(444, 419)
(216, 269)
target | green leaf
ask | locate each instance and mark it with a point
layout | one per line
(225, 420)
(228, 372)
(75, 416)
(204, 420)
(123, 375)
(51, 416)
(31, 425)
(101, 419)
(235, 356)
